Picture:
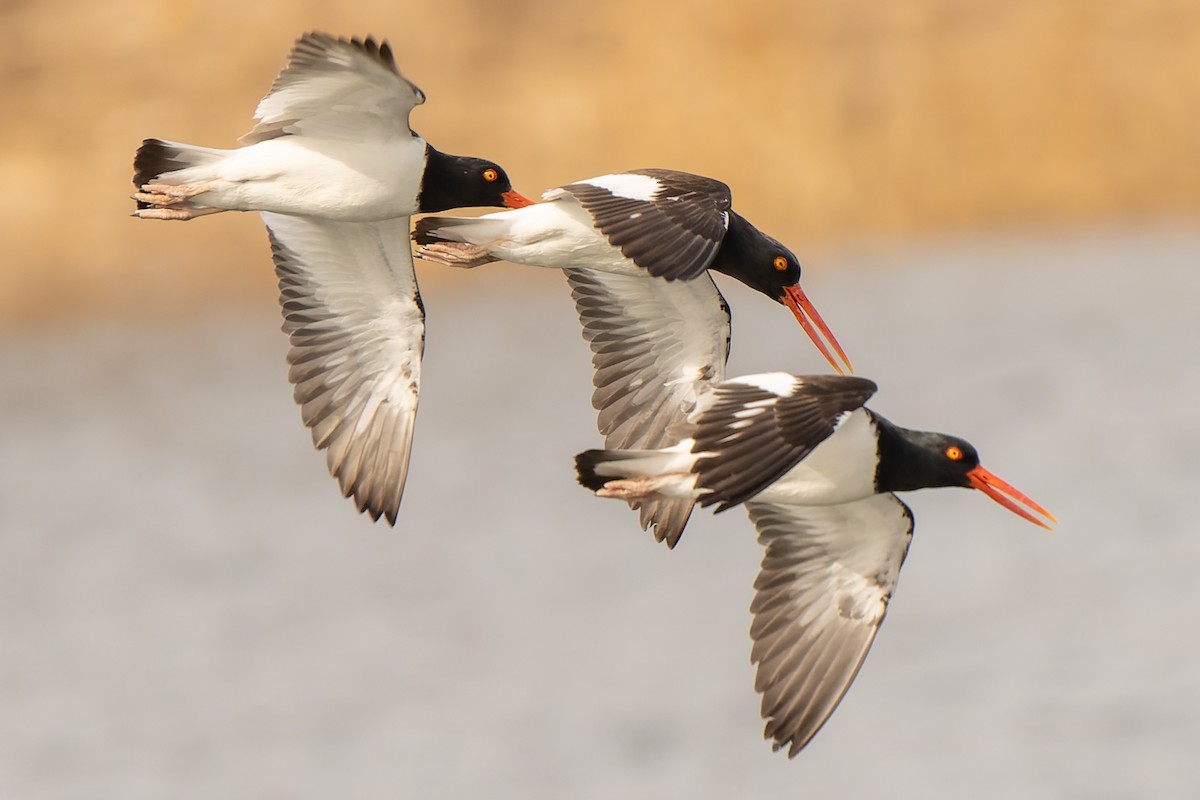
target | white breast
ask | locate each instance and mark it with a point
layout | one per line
(840, 469)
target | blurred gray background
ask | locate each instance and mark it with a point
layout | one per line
(189, 608)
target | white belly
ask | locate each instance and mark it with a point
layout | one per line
(320, 178)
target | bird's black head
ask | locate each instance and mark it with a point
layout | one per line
(762, 263)
(756, 259)
(911, 460)
(463, 182)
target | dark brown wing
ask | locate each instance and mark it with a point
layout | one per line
(669, 223)
(758, 427)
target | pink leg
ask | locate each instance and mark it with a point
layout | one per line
(170, 201)
(165, 194)
(181, 212)
(455, 254)
(634, 488)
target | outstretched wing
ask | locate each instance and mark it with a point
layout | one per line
(669, 223)
(657, 346)
(826, 579)
(353, 314)
(337, 89)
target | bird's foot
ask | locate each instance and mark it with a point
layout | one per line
(165, 194)
(170, 201)
(178, 211)
(637, 488)
(455, 254)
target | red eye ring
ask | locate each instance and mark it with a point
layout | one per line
(490, 175)
(780, 263)
(953, 453)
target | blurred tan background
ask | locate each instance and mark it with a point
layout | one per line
(835, 121)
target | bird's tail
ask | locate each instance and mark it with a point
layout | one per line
(468, 230)
(589, 462)
(157, 159)
(630, 475)
(458, 241)
(635, 474)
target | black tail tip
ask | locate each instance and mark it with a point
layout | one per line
(154, 158)
(423, 231)
(585, 469)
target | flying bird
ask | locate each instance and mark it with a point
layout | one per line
(637, 248)
(337, 172)
(817, 471)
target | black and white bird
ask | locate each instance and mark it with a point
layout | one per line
(817, 472)
(337, 173)
(636, 248)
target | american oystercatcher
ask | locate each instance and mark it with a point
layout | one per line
(636, 248)
(337, 172)
(332, 141)
(817, 472)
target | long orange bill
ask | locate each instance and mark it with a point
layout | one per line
(1007, 496)
(514, 200)
(806, 314)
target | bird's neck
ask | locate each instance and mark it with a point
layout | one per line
(908, 459)
(727, 259)
(440, 182)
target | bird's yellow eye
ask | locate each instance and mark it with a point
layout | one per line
(490, 175)
(781, 263)
(953, 453)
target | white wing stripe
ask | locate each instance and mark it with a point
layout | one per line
(634, 187)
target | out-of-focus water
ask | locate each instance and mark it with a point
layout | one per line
(190, 610)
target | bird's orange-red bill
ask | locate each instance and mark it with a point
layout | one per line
(515, 200)
(806, 314)
(1004, 494)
